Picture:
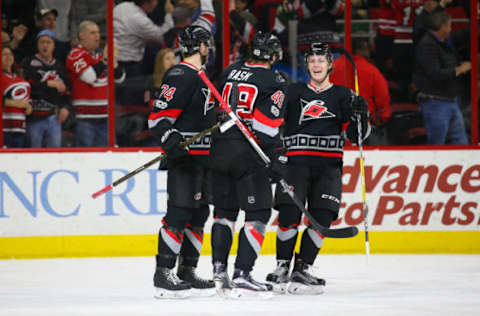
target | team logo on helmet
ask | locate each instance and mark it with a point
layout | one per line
(312, 110)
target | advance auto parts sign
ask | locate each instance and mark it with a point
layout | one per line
(413, 190)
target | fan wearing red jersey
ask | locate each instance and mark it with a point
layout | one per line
(316, 114)
(87, 69)
(16, 102)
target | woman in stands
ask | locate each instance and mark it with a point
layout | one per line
(16, 101)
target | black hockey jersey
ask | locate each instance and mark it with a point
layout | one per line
(314, 123)
(45, 99)
(185, 103)
(260, 104)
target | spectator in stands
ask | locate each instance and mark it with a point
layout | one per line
(314, 16)
(421, 19)
(243, 27)
(63, 29)
(91, 10)
(15, 101)
(18, 34)
(46, 19)
(438, 77)
(87, 68)
(164, 60)
(372, 85)
(403, 51)
(48, 79)
(187, 12)
(132, 30)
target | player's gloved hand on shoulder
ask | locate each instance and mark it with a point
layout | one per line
(360, 108)
(171, 144)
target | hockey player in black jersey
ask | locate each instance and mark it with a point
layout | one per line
(182, 107)
(315, 116)
(240, 179)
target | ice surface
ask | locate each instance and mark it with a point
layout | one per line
(389, 285)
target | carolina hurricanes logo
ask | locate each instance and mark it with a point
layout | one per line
(48, 75)
(209, 100)
(18, 91)
(312, 110)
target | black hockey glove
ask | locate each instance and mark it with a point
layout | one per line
(360, 108)
(277, 168)
(171, 144)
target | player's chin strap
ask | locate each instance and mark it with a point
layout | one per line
(326, 232)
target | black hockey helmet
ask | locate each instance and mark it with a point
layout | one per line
(319, 48)
(191, 37)
(264, 46)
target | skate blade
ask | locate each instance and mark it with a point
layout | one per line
(167, 294)
(204, 292)
(279, 288)
(239, 294)
(302, 289)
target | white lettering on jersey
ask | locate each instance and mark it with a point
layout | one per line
(239, 75)
(79, 64)
(313, 110)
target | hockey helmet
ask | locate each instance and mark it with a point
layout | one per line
(191, 37)
(319, 48)
(264, 46)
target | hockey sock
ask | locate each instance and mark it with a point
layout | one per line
(191, 246)
(312, 240)
(288, 221)
(192, 243)
(169, 243)
(222, 236)
(250, 242)
(250, 239)
(286, 239)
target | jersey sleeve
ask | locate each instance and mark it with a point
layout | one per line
(169, 101)
(206, 19)
(269, 111)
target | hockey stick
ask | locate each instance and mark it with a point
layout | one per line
(326, 232)
(360, 150)
(186, 143)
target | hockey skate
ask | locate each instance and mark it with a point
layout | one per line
(223, 285)
(168, 285)
(200, 287)
(303, 282)
(279, 278)
(246, 286)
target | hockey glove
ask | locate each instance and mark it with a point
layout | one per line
(171, 144)
(360, 108)
(277, 168)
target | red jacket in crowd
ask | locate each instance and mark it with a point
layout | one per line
(372, 85)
